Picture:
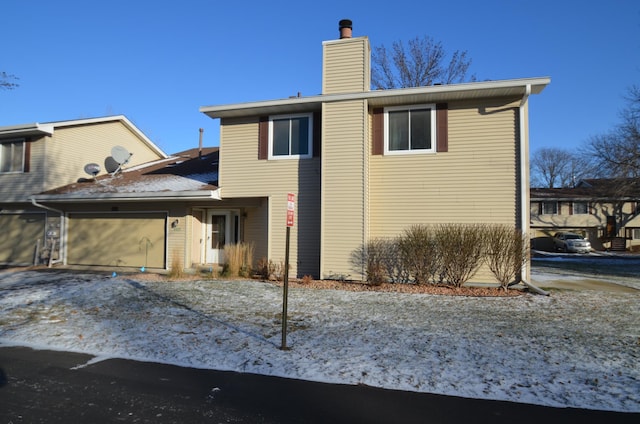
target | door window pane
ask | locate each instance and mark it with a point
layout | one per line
(218, 232)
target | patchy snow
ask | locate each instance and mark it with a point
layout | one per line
(571, 349)
(155, 183)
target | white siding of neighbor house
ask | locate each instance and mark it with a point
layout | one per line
(474, 182)
(243, 175)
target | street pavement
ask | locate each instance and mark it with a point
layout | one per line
(39, 386)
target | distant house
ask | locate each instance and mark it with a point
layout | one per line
(365, 164)
(606, 211)
(39, 157)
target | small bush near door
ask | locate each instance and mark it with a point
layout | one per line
(239, 258)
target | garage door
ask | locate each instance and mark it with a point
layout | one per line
(19, 234)
(117, 239)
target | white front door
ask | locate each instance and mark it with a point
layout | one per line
(217, 236)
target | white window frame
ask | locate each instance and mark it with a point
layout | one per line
(13, 141)
(432, 108)
(635, 233)
(555, 211)
(309, 116)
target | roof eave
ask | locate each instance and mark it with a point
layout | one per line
(129, 197)
(502, 88)
(27, 130)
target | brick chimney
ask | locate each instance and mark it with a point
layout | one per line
(346, 27)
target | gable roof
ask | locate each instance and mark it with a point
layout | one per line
(48, 128)
(516, 88)
(188, 175)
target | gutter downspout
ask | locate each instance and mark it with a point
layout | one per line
(524, 182)
(60, 247)
(524, 186)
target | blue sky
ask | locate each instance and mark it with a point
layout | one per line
(159, 62)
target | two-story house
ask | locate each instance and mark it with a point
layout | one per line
(38, 157)
(364, 164)
(606, 211)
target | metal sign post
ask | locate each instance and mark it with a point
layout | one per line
(285, 290)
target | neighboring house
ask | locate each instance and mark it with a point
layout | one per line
(365, 164)
(606, 211)
(39, 157)
(157, 215)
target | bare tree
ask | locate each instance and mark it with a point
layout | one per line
(6, 81)
(419, 63)
(552, 167)
(616, 153)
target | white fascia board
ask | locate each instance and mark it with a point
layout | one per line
(537, 85)
(27, 129)
(129, 197)
(114, 118)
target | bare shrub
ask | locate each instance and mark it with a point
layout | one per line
(420, 253)
(507, 250)
(368, 259)
(393, 262)
(462, 251)
(265, 268)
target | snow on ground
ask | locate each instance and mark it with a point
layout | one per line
(571, 349)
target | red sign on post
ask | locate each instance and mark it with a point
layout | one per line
(291, 206)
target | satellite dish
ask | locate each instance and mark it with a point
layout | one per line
(92, 169)
(120, 154)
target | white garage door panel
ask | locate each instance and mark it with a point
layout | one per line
(19, 234)
(122, 239)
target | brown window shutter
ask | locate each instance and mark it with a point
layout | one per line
(263, 138)
(27, 156)
(442, 130)
(570, 208)
(377, 147)
(317, 134)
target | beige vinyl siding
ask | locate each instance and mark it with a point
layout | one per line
(243, 175)
(71, 148)
(17, 187)
(255, 231)
(345, 66)
(343, 186)
(474, 182)
(19, 235)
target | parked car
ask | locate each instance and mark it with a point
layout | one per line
(571, 242)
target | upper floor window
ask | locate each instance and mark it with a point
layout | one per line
(12, 156)
(291, 136)
(410, 129)
(549, 208)
(580, 208)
